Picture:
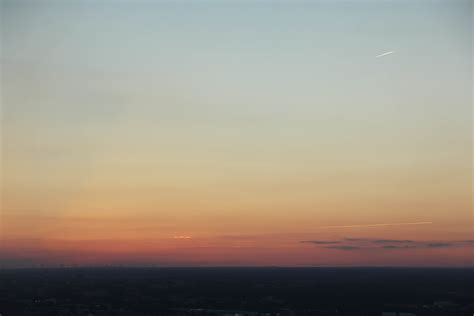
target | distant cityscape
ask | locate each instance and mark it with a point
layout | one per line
(237, 291)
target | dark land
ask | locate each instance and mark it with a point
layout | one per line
(237, 291)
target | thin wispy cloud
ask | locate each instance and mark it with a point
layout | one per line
(392, 241)
(439, 245)
(397, 247)
(321, 242)
(344, 247)
(182, 237)
(354, 239)
(376, 225)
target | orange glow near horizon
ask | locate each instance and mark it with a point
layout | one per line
(263, 134)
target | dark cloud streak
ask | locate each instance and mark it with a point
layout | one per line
(439, 245)
(388, 244)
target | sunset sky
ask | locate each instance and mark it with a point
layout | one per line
(236, 133)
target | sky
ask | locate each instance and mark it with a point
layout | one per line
(236, 133)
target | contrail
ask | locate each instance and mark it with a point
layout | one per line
(377, 225)
(385, 54)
